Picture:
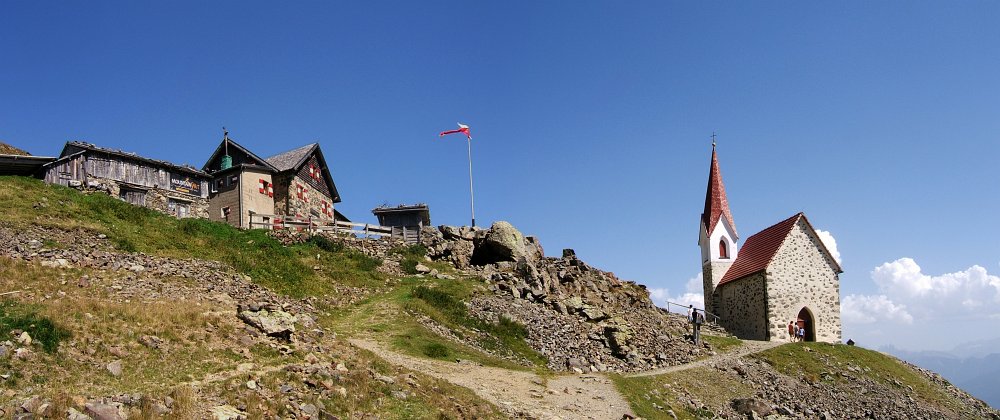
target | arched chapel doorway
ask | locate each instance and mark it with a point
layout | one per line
(805, 321)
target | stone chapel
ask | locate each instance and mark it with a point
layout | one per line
(783, 273)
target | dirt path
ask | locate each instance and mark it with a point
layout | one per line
(518, 393)
(748, 347)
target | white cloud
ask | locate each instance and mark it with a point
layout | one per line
(906, 294)
(693, 295)
(870, 309)
(904, 280)
(830, 242)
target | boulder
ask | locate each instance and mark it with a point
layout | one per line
(502, 242)
(461, 253)
(99, 411)
(226, 412)
(275, 323)
(751, 406)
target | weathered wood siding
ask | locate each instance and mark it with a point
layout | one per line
(135, 173)
(63, 172)
(318, 182)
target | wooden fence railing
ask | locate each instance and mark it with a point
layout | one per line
(408, 234)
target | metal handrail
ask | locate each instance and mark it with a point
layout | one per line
(707, 313)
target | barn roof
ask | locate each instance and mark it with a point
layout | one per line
(421, 209)
(291, 159)
(73, 147)
(759, 249)
(716, 203)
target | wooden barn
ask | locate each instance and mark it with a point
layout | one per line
(249, 191)
(178, 190)
(417, 215)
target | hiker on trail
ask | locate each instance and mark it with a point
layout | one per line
(690, 316)
(791, 330)
(698, 319)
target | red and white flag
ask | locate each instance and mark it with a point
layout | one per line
(462, 128)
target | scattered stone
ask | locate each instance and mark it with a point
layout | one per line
(151, 341)
(226, 412)
(115, 368)
(276, 323)
(73, 414)
(100, 411)
(24, 339)
(383, 378)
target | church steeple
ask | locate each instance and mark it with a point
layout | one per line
(716, 203)
(717, 236)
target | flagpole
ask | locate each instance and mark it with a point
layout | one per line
(472, 195)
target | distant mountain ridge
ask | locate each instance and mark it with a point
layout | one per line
(972, 366)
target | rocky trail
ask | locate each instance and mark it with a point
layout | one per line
(747, 348)
(528, 395)
(521, 394)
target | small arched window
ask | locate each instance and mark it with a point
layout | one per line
(723, 251)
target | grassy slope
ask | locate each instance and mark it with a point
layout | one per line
(389, 318)
(821, 362)
(200, 342)
(287, 270)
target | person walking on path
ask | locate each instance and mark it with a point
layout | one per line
(791, 330)
(802, 334)
(698, 319)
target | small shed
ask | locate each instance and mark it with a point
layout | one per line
(403, 215)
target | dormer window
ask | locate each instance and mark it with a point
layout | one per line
(723, 250)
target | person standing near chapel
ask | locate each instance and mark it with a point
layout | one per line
(698, 319)
(792, 331)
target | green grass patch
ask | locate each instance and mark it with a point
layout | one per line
(18, 316)
(287, 270)
(437, 351)
(389, 318)
(447, 308)
(823, 362)
(722, 344)
(412, 255)
(652, 396)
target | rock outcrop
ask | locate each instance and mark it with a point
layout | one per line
(576, 315)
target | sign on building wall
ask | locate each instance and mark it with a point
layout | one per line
(185, 184)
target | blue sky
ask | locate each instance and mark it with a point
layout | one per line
(880, 120)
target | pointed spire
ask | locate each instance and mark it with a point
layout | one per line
(716, 203)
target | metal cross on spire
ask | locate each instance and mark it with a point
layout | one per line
(713, 139)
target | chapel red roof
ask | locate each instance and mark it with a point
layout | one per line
(716, 203)
(759, 249)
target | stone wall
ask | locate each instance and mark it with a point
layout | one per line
(290, 202)
(800, 276)
(743, 307)
(711, 274)
(155, 198)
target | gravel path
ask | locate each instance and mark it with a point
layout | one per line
(519, 393)
(748, 347)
